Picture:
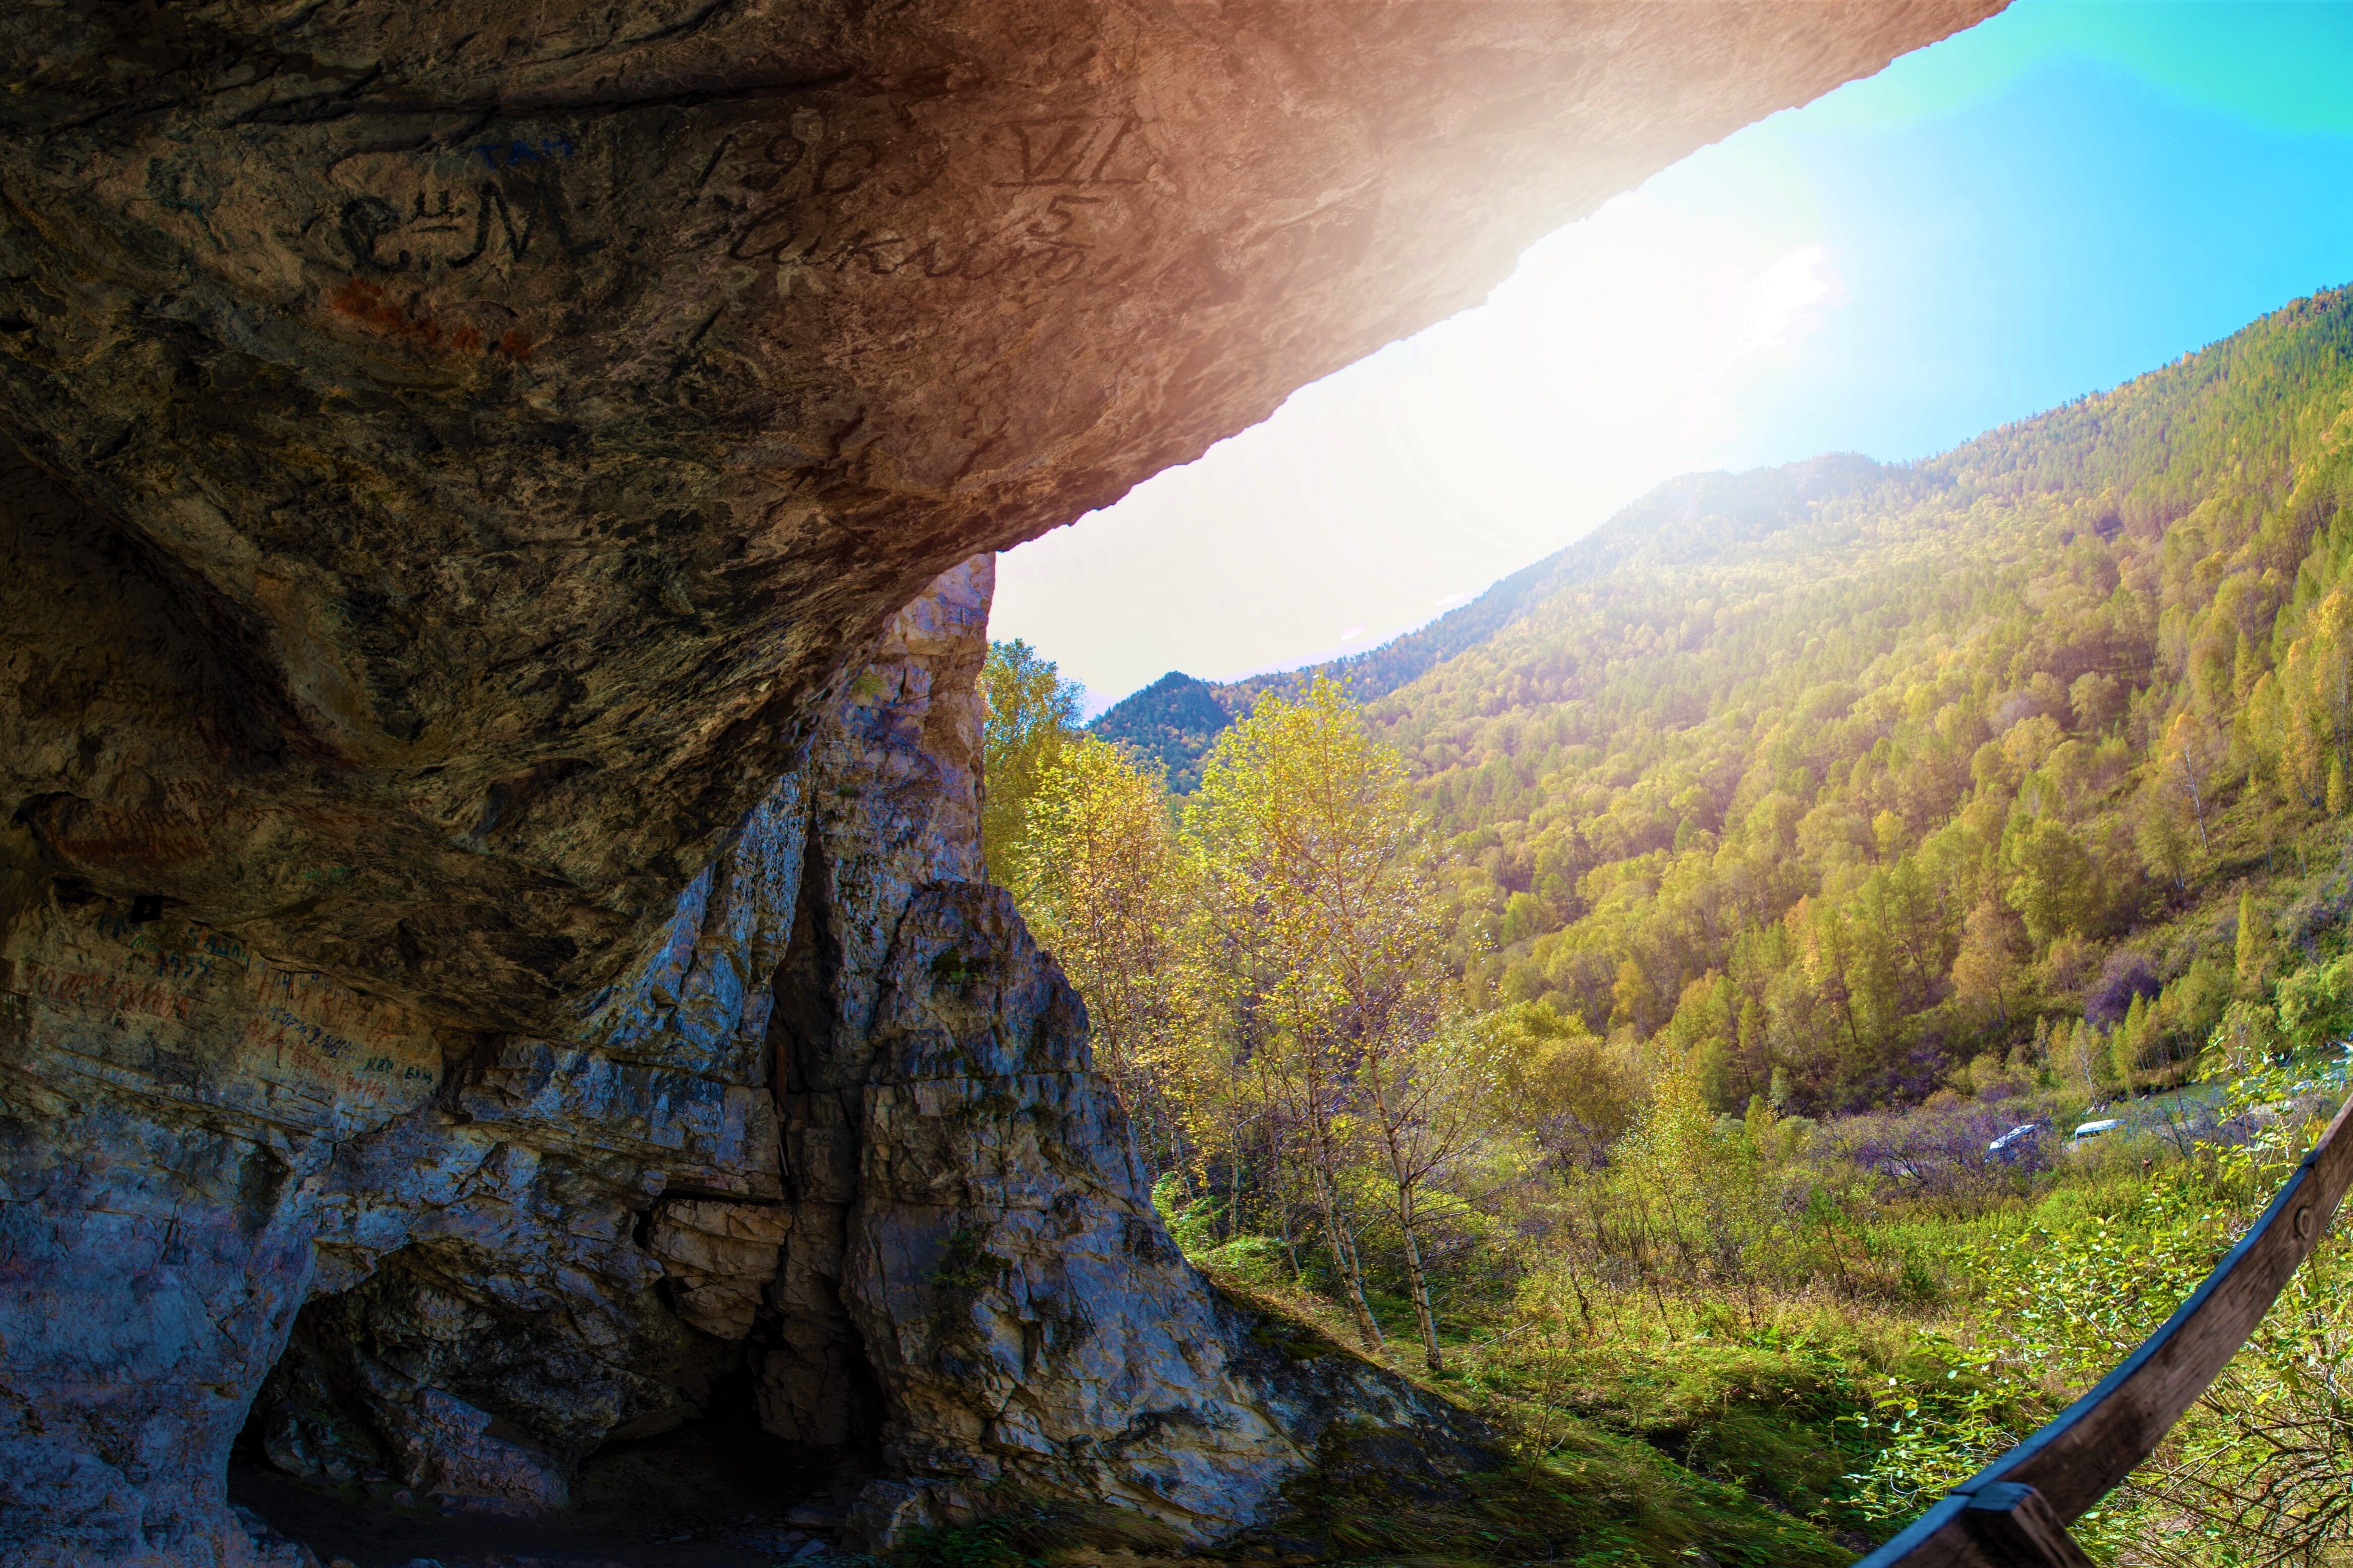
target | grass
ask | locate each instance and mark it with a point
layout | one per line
(1657, 1431)
(1597, 1498)
(1656, 1451)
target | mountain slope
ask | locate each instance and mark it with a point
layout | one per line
(1841, 774)
(1170, 722)
(1174, 720)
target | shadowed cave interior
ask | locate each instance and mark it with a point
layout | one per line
(716, 1491)
(746, 1429)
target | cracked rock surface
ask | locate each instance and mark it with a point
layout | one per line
(492, 944)
(836, 1133)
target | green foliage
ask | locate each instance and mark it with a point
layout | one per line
(1623, 1003)
(1032, 713)
(966, 1265)
(2315, 1004)
(1192, 1226)
(2258, 1469)
(1593, 1498)
(1106, 886)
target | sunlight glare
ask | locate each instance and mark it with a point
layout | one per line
(1616, 354)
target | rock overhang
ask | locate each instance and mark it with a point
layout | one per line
(477, 810)
(456, 451)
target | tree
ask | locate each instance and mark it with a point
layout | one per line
(2188, 758)
(2253, 950)
(1703, 1032)
(1993, 941)
(2127, 1040)
(1101, 879)
(2054, 883)
(1632, 998)
(2097, 701)
(1571, 1094)
(2246, 669)
(2310, 717)
(1318, 884)
(1031, 715)
(2083, 1054)
(2161, 832)
(1430, 1103)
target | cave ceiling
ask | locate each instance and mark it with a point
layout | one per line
(453, 449)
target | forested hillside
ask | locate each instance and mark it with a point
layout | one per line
(1765, 757)
(1841, 776)
(1666, 1011)
(1170, 724)
(1174, 720)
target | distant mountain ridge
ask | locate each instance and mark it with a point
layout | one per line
(1171, 721)
(1837, 778)
(1174, 719)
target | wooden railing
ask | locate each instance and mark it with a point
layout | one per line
(2015, 1512)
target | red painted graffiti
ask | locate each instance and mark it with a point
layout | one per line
(106, 994)
(367, 304)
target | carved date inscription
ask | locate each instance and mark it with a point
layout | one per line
(1072, 151)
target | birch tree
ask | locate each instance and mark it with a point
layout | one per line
(1031, 715)
(1429, 1102)
(1100, 879)
(1317, 883)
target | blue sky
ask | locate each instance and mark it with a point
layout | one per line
(2067, 194)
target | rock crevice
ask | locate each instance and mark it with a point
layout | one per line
(880, 1180)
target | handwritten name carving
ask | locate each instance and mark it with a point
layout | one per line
(407, 215)
(106, 993)
(821, 193)
(1075, 177)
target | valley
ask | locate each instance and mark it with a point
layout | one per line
(1695, 912)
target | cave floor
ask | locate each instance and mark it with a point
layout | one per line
(718, 1494)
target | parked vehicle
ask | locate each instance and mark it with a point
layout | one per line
(2017, 1142)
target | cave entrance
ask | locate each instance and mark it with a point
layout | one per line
(718, 1491)
(349, 1450)
(726, 1414)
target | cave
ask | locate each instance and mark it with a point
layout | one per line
(716, 1488)
(736, 1387)
(500, 503)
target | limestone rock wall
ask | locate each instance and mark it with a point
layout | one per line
(838, 1131)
